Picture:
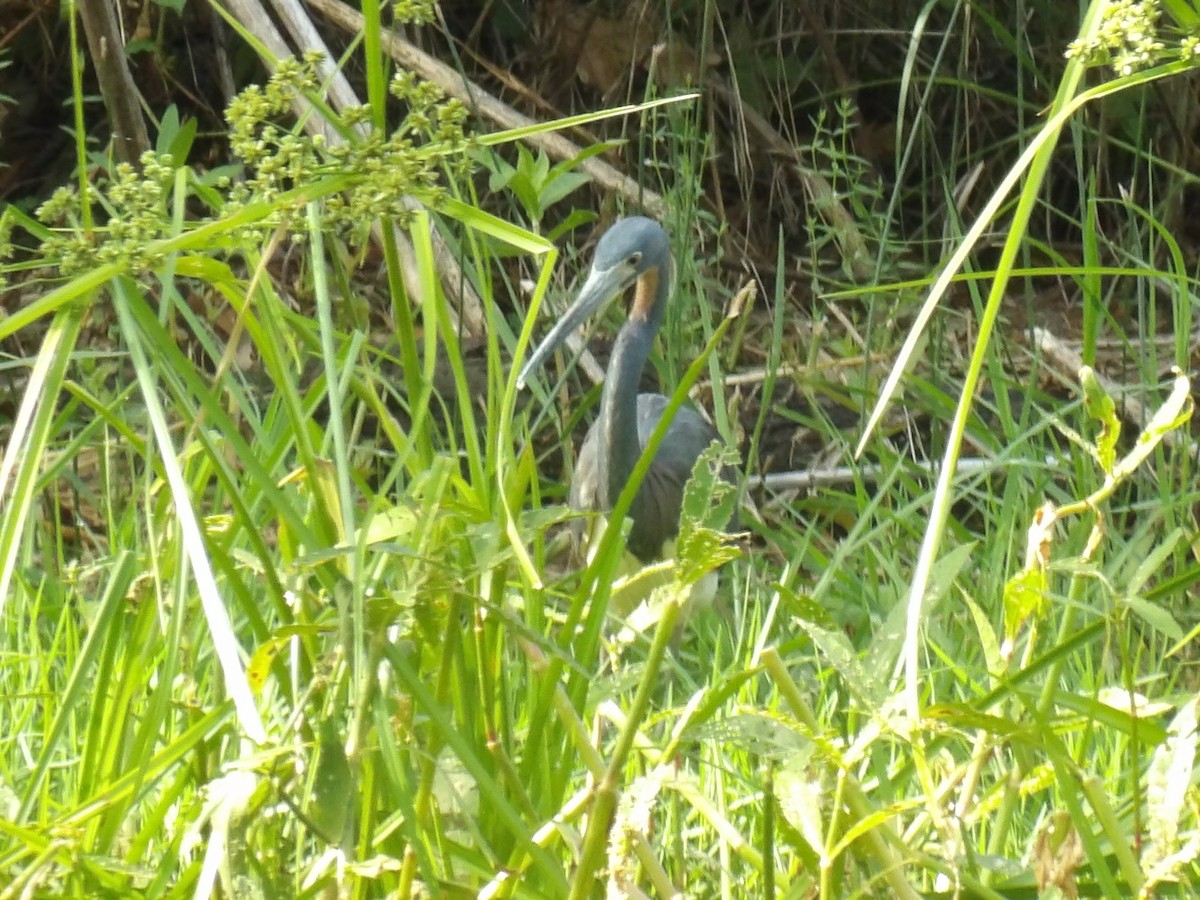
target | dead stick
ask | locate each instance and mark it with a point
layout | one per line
(455, 85)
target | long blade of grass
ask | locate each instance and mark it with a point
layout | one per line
(225, 641)
(1036, 154)
(31, 434)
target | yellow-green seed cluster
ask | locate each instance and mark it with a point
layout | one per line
(384, 172)
(137, 215)
(407, 163)
(1127, 40)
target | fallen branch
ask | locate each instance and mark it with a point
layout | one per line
(492, 109)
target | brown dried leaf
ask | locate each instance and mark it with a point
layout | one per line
(605, 50)
(674, 64)
(1057, 854)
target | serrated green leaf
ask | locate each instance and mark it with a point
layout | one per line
(1100, 407)
(1025, 595)
(708, 498)
(701, 551)
(804, 607)
(837, 649)
(707, 508)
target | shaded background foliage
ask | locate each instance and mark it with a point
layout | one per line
(835, 149)
(926, 106)
(987, 69)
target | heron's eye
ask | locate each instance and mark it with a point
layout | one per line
(634, 259)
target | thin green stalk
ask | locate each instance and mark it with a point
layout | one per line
(224, 640)
(490, 792)
(1036, 160)
(890, 863)
(604, 802)
(345, 519)
(30, 436)
(1001, 823)
(1070, 791)
(99, 639)
(419, 451)
(80, 129)
(1118, 837)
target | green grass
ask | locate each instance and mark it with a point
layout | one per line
(280, 619)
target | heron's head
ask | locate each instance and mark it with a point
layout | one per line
(633, 251)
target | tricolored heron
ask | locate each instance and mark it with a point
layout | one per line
(633, 251)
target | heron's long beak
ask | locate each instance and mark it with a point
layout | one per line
(598, 290)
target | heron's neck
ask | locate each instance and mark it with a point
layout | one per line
(621, 445)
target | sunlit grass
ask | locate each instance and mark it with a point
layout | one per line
(286, 620)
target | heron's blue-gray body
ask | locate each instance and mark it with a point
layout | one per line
(656, 507)
(632, 251)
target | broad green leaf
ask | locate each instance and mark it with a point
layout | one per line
(800, 792)
(561, 186)
(574, 219)
(333, 785)
(1155, 562)
(1156, 617)
(175, 137)
(1100, 407)
(1025, 595)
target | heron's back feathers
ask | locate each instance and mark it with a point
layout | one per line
(656, 519)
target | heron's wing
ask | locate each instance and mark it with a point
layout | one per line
(688, 437)
(661, 495)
